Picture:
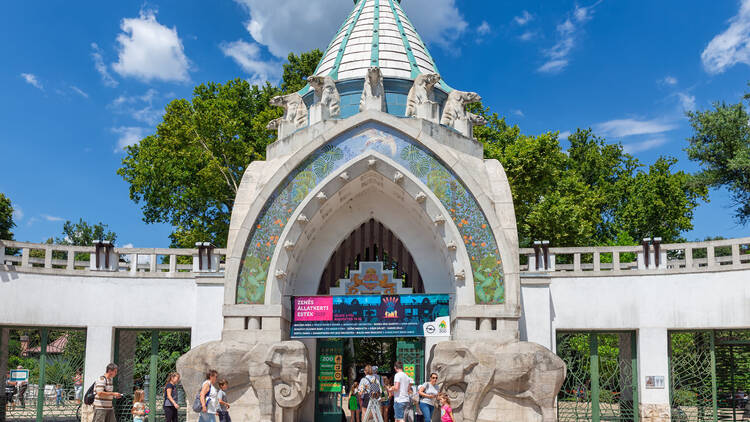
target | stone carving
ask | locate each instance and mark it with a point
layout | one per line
(456, 116)
(280, 377)
(327, 102)
(420, 102)
(295, 114)
(373, 95)
(654, 412)
(525, 373)
(278, 374)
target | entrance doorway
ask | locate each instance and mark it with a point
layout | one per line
(341, 362)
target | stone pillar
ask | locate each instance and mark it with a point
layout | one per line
(653, 360)
(98, 352)
(536, 312)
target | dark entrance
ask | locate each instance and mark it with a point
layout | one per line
(340, 362)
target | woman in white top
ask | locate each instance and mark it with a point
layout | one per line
(428, 393)
(208, 396)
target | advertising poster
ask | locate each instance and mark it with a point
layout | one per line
(371, 316)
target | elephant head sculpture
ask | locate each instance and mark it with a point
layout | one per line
(526, 372)
(279, 373)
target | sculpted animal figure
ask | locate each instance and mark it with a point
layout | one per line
(420, 92)
(277, 373)
(522, 371)
(455, 107)
(295, 111)
(326, 94)
(373, 92)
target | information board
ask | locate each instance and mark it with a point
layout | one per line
(329, 373)
(371, 316)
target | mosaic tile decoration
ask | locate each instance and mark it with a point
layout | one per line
(489, 287)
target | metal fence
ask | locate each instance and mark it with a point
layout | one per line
(710, 375)
(601, 384)
(54, 359)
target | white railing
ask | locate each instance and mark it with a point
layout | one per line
(652, 257)
(120, 262)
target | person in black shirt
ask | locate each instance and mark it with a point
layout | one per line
(170, 398)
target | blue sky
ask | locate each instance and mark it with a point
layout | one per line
(81, 79)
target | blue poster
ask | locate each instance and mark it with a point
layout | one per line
(370, 316)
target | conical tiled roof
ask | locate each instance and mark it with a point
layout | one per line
(376, 33)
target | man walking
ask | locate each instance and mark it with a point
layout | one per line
(22, 387)
(370, 391)
(400, 389)
(104, 390)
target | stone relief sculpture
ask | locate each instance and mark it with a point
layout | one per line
(279, 376)
(455, 114)
(524, 373)
(295, 114)
(420, 102)
(373, 94)
(276, 374)
(327, 102)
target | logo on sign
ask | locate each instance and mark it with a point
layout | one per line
(439, 327)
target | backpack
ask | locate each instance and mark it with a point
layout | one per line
(197, 406)
(88, 398)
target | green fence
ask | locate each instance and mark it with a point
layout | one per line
(710, 375)
(601, 383)
(53, 358)
(145, 359)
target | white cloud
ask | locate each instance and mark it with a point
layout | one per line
(149, 50)
(528, 36)
(669, 80)
(128, 135)
(248, 56)
(17, 213)
(518, 113)
(484, 28)
(629, 127)
(315, 23)
(100, 67)
(524, 18)
(32, 80)
(731, 46)
(565, 134)
(567, 32)
(140, 107)
(51, 218)
(687, 101)
(634, 147)
(79, 91)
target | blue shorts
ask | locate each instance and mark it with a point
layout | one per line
(398, 409)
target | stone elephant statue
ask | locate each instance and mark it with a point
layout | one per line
(524, 372)
(277, 372)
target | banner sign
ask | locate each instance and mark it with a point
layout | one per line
(329, 373)
(371, 316)
(19, 375)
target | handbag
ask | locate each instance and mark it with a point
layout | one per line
(197, 405)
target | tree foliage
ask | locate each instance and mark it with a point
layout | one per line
(187, 173)
(6, 218)
(592, 193)
(721, 144)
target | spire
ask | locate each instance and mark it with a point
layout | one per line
(376, 33)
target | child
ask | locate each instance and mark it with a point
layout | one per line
(223, 410)
(139, 406)
(59, 394)
(446, 411)
(354, 403)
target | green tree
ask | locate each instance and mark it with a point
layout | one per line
(721, 144)
(6, 218)
(187, 173)
(591, 193)
(84, 234)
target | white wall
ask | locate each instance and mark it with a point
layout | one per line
(651, 305)
(100, 304)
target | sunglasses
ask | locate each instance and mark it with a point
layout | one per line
(433, 378)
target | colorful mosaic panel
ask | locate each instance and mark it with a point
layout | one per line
(486, 264)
